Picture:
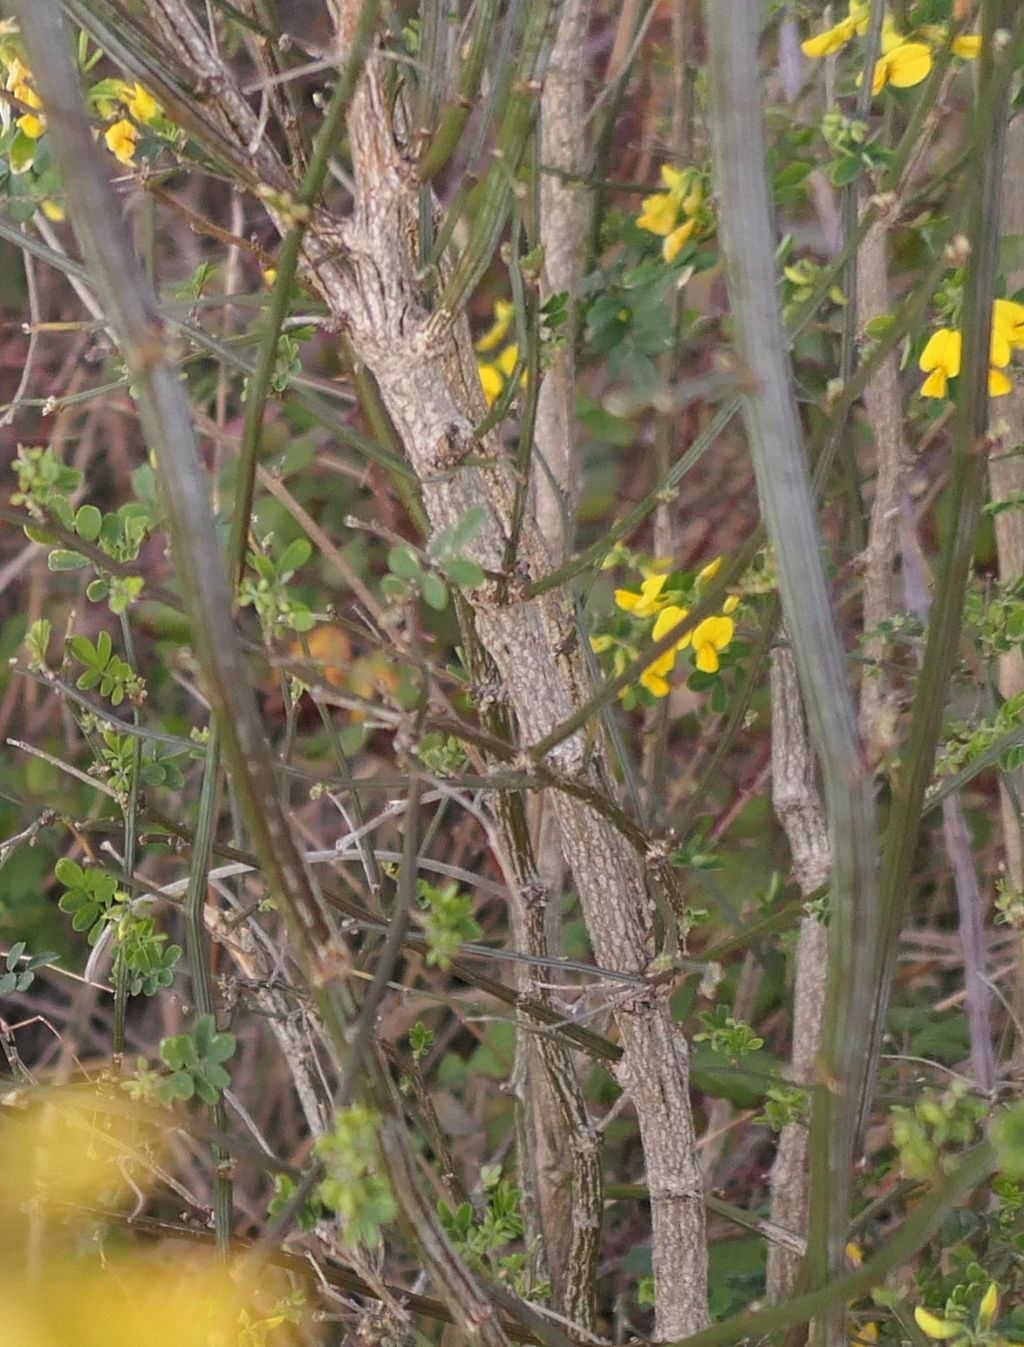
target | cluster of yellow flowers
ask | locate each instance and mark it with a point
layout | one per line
(678, 213)
(121, 136)
(943, 1330)
(902, 63)
(496, 371)
(19, 84)
(707, 639)
(940, 359)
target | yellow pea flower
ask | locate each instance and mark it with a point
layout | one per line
(1008, 320)
(934, 1327)
(836, 37)
(709, 638)
(492, 381)
(905, 65)
(677, 240)
(653, 677)
(999, 384)
(649, 600)
(659, 215)
(53, 210)
(141, 104)
(967, 46)
(504, 312)
(830, 41)
(32, 125)
(599, 644)
(987, 1308)
(506, 362)
(705, 576)
(670, 617)
(940, 360)
(122, 140)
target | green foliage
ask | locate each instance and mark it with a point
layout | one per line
(269, 590)
(727, 1035)
(484, 1236)
(196, 1062)
(285, 1188)
(784, 1105)
(114, 676)
(91, 897)
(411, 576)
(19, 974)
(441, 754)
(447, 919)
(421, 1040)
(927, 1133)
(355, 1188)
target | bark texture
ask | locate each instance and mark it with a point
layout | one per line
(797, 804)
(1006, 480)
(366, 269)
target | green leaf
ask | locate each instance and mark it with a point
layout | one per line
(22, 152)
(463, 572)
(69, 872)
(435, 593)
(403, 562)
(62, 560)
(88, 521)
(295, 556)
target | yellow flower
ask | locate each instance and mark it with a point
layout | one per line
(1008, 321)
(32, 125)
(832, 39)
(270, 276)
(508, 359)
(653, 677)
(650, 599)
(669, 617)
(998, 384)
(967, 46)
(731, 604)
(934, 1327)
(599, 644)
(141, 103)
(940, 360)
(904, 65)
(705, 576)
(122, 140)
(53, 210)
(987, 1308)
(659, 215)
(709, 637)
(504, 311)
(677, 240)
(492, 380)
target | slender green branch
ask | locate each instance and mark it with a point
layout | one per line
(965, 490)
(790, 517)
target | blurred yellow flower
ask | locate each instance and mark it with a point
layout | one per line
(32, 125)
(649, 600)
(835, 38)
(491, 380)
(967, 46)
(675, 214)
(677, 240)
(122, 140)
(141, 103)
(504, 311)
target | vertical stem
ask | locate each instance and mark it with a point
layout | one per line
(787, 504)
